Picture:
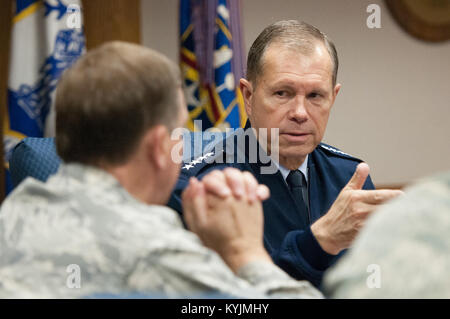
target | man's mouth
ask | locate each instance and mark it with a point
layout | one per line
(294, 136)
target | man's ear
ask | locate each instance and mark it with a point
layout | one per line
(157, 146)
(336, 90)
(247, 92)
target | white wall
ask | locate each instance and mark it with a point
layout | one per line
(393, 110)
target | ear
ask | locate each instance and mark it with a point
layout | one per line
(157, 146)
(336, 90)
(247, 92)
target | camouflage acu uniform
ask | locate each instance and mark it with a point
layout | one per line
(404, 249)
(83, 217)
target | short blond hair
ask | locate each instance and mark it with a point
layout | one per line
(109, 98)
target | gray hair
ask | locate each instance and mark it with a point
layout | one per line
(293, 34)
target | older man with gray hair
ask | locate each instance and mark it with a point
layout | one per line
(320, 196)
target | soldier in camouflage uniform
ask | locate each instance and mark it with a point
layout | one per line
(403, 251)
(99, 224)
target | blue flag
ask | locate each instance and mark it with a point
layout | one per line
(211, 63)
(47, 37)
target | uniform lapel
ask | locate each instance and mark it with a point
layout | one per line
(281, 212)
(320, 187)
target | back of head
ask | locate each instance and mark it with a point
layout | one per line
(109, 98)
(299, 36)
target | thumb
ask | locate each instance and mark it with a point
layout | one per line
(194, 205)
(359, 177)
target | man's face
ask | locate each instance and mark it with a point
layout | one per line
(295, 94)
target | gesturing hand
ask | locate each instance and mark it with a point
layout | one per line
(337, 229)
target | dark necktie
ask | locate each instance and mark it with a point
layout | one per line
(299, 188)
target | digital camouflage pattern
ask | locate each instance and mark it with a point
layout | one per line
(82, 216)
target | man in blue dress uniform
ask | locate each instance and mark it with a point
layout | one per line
(320, 196)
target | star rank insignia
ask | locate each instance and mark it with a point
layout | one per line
(332, 149)
(197, 161)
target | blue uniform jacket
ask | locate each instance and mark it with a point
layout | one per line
(287, 233)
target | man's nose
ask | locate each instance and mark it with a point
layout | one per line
(298, 110)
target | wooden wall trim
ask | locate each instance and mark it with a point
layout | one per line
(391, 186)
(107, 20)
(5, 38)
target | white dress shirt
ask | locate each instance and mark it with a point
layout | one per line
(303, 168)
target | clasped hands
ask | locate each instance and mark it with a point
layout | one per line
(225, 211)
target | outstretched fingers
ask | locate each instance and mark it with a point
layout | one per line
(379, 196)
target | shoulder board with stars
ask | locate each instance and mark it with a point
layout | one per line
(336, 151)
(196, 161)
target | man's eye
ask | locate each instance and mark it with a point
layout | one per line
(314, 95)
(281, 93)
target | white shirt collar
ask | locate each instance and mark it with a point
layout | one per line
(303, 168)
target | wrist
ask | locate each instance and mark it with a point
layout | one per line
(324, 238)
(237, 257)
